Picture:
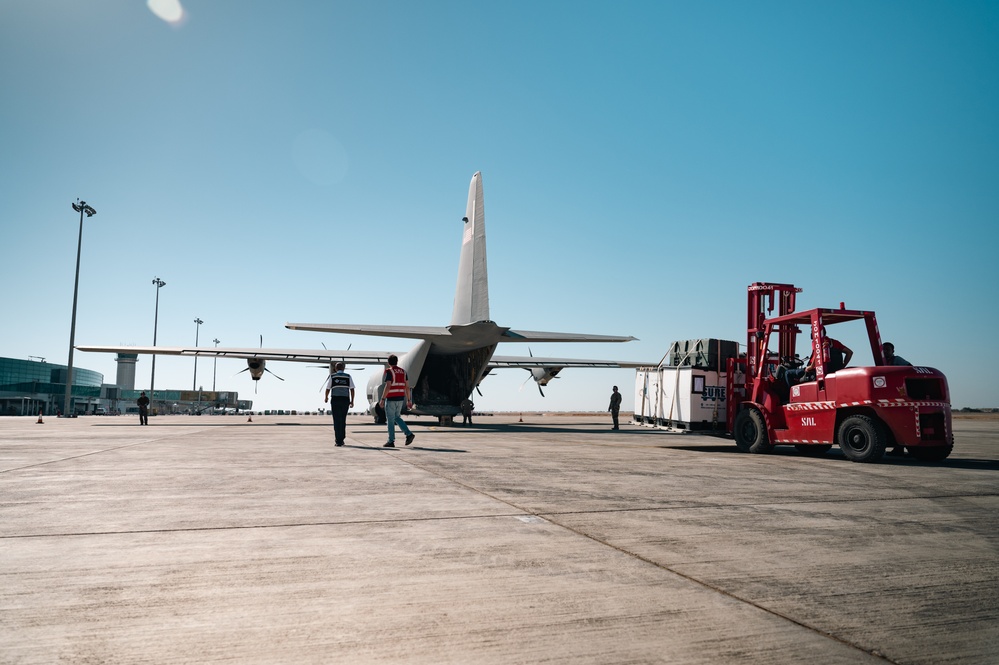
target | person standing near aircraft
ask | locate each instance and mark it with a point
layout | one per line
(340, 394)
(615, 406)
(396, 394)
(143, 404)
(466, 411)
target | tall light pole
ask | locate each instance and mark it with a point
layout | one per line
(159, 283)
(81, 207)
(197, 329)
(215, 363)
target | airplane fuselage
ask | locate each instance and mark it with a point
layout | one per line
(445, 370)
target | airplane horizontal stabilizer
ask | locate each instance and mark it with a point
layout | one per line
(407, 332)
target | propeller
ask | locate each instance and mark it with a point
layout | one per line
(333, 361)
(531, 376)
(256, 367)
(332, 364)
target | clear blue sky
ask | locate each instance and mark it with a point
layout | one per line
(642, 161)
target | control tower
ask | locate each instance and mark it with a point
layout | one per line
(126, 370)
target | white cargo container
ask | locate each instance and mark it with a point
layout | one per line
(680, 397)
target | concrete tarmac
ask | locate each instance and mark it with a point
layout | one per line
(554, 540)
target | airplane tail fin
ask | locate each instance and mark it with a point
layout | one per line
(471, 299)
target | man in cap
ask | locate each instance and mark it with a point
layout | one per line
(143, 404)
(615, 406)
(340, 394)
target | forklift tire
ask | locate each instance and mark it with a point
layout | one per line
(862, 439)
(750, 432)
(813, 450)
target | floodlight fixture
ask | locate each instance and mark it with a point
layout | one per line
(82, 207)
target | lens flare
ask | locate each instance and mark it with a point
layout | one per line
(168, 10)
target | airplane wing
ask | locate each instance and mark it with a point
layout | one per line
(536, 336)
(543, 370)
(292, 355)
(532, 362)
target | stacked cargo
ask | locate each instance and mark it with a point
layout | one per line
(688, 392)
(710, 354)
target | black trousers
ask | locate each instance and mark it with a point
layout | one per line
(614, 413)
(339, 407)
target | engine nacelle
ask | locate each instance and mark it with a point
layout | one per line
(542, 375)
(255, 366)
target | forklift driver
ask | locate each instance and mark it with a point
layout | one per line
(837, 354)
(837, 357)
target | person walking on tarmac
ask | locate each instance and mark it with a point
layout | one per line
(615, 406)
(143, 404)
(340, 395)
(396, 394)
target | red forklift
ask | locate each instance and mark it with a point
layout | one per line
(864, 410)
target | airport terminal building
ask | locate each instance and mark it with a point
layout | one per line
(30, 387)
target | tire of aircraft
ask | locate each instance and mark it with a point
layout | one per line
(380, 418)
(750, 432)
(813, 450)
(862, 439)
(930, 454)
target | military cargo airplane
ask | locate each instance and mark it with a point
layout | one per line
(448, 362)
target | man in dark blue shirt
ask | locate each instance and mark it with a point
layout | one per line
(340, 395)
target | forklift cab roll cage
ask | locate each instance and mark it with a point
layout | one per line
(787, 331)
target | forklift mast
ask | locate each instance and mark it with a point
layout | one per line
(761, 302)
